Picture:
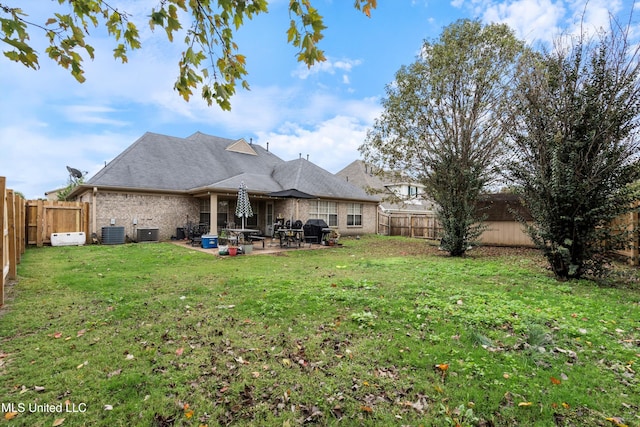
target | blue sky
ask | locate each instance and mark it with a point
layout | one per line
(49, 121)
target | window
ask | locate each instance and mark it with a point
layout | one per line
(223, 209)
(354, 214)
(205, 211)
(328, 211)
(270, 217)
(252, 221)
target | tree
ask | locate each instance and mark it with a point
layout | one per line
(576, 148)
(62, 194)
(211, 58)
(443, 122)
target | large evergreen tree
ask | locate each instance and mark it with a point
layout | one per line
(443, 122)
(576, 148)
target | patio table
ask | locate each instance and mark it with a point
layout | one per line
(290, 235)
(238, 234)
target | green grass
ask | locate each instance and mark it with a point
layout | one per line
(381, 331)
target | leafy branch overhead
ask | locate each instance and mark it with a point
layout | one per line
(211, 58)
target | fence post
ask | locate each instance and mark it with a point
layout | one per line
(411, 226)
(40, 224)
(3, 237)
(11, 219)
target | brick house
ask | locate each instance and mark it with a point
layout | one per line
(166, 182)
(398, 193)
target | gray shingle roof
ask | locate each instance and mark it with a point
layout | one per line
(203, 162)
(305, 176)
(168, 163)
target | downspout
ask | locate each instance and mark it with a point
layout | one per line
(94, 215)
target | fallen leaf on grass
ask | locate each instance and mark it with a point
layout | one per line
(58, 422)
(617, 421)
(367, 409)
(555, 381)
(108, 407)
(525, 404)
(114, 373)
(57, 335)
(10, 415)
(241, 361)
(179, 351)
(443, 366)
(81, 333)
(130, 357)
(38, 388)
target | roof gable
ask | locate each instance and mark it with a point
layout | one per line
(241, 146)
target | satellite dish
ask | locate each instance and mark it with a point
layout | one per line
(75, 173)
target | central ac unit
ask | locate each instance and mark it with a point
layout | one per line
(147, 235)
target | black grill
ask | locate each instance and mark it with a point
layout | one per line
(317, 228)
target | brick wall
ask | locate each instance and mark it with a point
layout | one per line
(163, 211)
(168, 212)
(369, 216)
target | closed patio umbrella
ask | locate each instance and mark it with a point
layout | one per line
(243, 207)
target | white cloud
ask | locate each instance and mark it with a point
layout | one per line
(331, 144)
(592, 16)
(329, 66)
(532, 20)
(93, 114)
(543, 20)
(37, 159)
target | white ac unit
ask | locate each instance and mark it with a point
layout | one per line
(68, 239)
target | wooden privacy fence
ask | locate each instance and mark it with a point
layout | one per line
(45, 217)
(630, 223)
(12, 242)
(408, 225)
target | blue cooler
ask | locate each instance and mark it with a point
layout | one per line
(209, 241)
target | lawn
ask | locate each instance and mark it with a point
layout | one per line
(381, 331)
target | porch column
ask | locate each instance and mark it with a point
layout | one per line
(94, 210)
(213, 215)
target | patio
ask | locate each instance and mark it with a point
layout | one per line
(271, 246)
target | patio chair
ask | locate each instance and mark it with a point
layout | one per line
(195, 233)
(274, 233)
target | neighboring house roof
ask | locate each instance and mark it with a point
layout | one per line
(203, 162)
(363, 175)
